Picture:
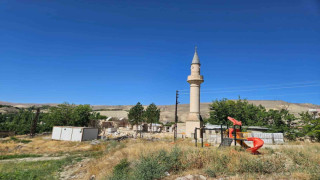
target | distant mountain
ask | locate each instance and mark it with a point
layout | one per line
(167, 111)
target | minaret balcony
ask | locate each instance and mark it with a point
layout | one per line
(195, 79)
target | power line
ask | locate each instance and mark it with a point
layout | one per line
(288, 87)
(243, 90)
(262, 86)
(295, 94)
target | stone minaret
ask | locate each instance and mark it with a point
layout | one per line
(195, 79)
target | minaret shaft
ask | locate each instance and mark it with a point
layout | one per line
(195, 98)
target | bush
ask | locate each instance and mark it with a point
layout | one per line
(152, 166)
(155, 165)
(261, 165)
(121, 171)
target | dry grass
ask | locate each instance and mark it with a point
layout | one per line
(132, 150)
(291, 161)
(281, 163)
(43, 145)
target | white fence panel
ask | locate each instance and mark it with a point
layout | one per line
(278, 135)
(267, 141)
(278, 141)
(56, 133)
(66, 133)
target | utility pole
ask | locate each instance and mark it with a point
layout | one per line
(176, 117)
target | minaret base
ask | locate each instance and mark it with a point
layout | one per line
(194, 121)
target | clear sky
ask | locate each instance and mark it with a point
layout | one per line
(121, 52)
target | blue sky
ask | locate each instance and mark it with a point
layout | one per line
(122, 52)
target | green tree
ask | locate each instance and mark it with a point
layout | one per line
(311, 126)
(152, 114)
(61, 115)
(252, 115)
(68, 115)
(136, 115)
(241, 110)
(81, 115)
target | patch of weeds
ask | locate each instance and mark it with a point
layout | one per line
(14, 139)
(121, 171)
(220, 163)
(155, 165)
(14, 156)
(113, 145)
(261, 165)
(240, 149)
(57, 154)
(299, 157)
(211, 173)
(152, 166)
(33, 170)
(270, 150)
(92, 154)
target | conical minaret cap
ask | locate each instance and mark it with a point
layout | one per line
(195, 59)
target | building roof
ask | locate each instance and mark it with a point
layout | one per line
(195, 59)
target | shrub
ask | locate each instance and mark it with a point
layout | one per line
(152, 166)
(155, 165)
(121, 171)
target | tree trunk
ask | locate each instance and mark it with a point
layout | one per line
(137, 130)
(141, 131)
(34, 123)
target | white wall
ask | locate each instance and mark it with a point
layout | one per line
(76, 134)
(66, 133)
(56, 133)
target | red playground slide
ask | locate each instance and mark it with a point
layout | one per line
(257, 142)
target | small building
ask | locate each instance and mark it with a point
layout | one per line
(69, 133)
(113, 122)
(315, 113)
(154, 127)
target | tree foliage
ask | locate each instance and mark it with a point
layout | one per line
(61, 115)
(250, 115)
(311, 126)
(152, 114)
(136, 114)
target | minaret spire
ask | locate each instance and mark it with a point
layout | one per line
(195, 59)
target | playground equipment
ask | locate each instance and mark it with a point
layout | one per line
(235, 134)
(229, 135)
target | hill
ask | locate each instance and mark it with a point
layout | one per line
(167, 111)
